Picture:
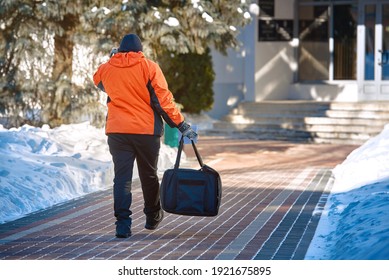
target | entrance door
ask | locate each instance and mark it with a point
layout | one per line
(373, 50)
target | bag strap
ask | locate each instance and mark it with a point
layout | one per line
(199, 159)
(180, 148)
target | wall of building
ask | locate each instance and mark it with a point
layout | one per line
(234, 81)
(275, 64)
(275, 67)
(228, 86)
(268, 71)
(345, 91)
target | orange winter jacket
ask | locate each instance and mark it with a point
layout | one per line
(138, 95)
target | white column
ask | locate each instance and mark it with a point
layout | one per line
(249, 48)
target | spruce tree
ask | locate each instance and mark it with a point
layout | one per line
(38, 40)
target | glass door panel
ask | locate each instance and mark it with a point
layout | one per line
(345, 41)
(384, 51)
(370, 12)
(313, 49)
(373, 46)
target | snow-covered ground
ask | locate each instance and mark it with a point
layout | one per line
(41, 167)
(355, 222)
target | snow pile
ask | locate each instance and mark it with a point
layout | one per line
(369, 163)
(355, 222)
(41, 167)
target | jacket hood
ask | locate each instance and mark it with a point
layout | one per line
(127, 59)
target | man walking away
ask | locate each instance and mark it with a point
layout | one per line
(138, 100)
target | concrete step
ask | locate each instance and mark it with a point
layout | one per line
(346, 121)
(341, 114)
(293, 135)
(357, 114)
(297, 128)
(315, 105)
(252, 108)
(264, 118)
(341, 136)
(310, 125)
(301, 120)
(264, 134)
(320, 122)
(361, 106)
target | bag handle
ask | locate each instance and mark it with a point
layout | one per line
(180, 148)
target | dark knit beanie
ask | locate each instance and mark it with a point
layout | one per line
(130, 43)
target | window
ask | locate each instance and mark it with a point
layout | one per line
(345, 42)
(327, 34)
(314, 56)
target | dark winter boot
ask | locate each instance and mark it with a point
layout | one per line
(123, 229)
(153, 220)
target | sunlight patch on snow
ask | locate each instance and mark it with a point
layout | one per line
(41, 167)
(354, 224)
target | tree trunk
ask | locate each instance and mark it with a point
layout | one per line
(63, 52)
(60, 97)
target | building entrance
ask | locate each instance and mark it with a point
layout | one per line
(373, 50)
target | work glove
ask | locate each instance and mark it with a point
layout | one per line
(187, 131)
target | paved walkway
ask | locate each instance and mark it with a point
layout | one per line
(272, 196)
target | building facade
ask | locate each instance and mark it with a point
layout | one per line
(324, 50)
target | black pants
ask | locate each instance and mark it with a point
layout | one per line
(125, 148)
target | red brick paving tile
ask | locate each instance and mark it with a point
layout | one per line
(253, 172)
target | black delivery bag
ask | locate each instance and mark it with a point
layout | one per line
(191, 192)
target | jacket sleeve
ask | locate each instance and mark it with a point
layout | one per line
(97, 79)
(161, 99)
